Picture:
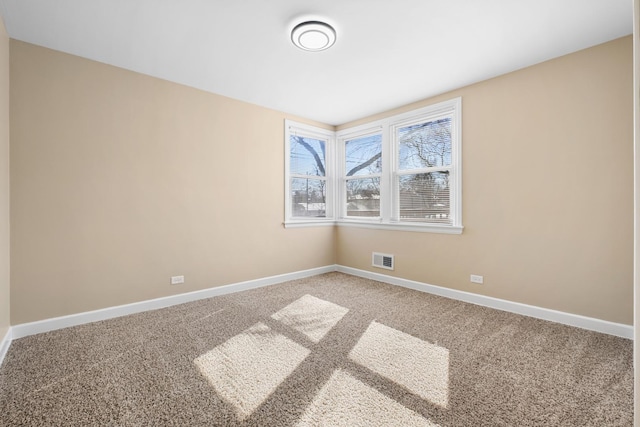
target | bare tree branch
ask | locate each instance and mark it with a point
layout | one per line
(313, 152)
(364, 165)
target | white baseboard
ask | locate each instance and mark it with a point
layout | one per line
(5, 342)
(26, 329)
(617, 329)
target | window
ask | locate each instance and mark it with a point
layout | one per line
(363, 170)
(422, 177)
(402, 173)
(309, 186)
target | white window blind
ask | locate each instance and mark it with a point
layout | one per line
(424, 152)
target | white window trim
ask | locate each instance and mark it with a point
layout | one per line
(341, 138)
(292, 128)
(388, 193)
(402, 226)
(335, 171)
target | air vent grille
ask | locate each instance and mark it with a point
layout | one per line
(382, 261)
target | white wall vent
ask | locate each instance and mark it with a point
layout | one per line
(382, 260)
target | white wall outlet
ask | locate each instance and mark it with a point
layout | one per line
(176, 280)
(477, 279)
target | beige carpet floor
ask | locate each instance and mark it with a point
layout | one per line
(332, 350)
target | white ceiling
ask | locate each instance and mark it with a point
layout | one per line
(388, 53)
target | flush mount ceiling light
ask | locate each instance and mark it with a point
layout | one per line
(313, 36)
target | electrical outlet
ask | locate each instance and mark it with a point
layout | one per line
(176, 280)
(477, 279)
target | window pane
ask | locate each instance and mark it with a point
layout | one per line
(307, 156)
(363, 156)
(425, 197)
(363, 197)
(308, 197)
(425, 145)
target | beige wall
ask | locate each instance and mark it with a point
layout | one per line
(547, 191)
(4, 181)
(120, 181)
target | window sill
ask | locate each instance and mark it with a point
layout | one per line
(308, 223)
(399, 226)
(403, 226)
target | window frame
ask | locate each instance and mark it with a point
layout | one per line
(389, 188)
(341, 193)
(293, 128)
(335, 171)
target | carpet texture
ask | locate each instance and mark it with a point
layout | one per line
(331, 350)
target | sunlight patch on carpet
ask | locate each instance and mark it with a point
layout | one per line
(345, 401)
(248, 367)
(311, 316)
(419, 366)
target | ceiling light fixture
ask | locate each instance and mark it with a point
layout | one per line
(313, 36)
